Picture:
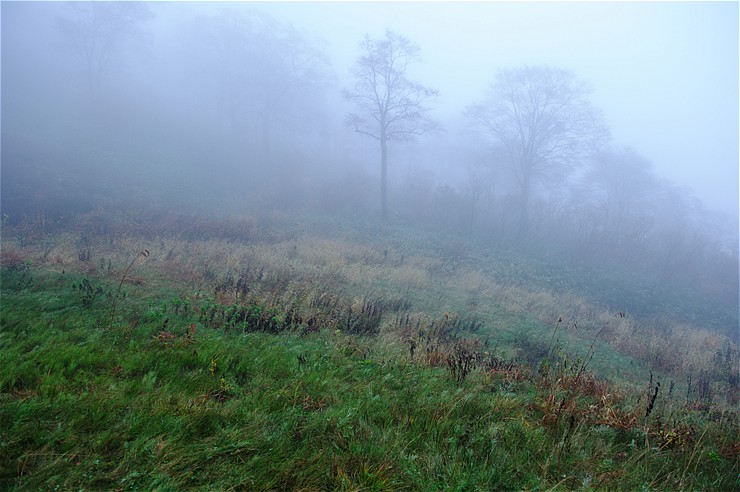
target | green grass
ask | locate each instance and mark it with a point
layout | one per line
(90, 404)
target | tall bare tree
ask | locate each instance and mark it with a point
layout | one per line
(389, 105)
(267, 74)
(542, 118)
(98, 31)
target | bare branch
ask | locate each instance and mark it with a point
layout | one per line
(543, 119)
(393, 107)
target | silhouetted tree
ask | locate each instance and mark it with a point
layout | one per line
(543, 120)
(624, 182)
(481, 170)
(97, 32)
(265, 72)
(390, 106)
(677, 230)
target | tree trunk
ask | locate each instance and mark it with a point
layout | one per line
(384, 176)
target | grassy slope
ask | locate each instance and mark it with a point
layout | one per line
(85, 405)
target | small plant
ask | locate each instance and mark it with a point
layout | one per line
(363, 317)
(554, 332)
(190, 337)
(165, 338)
(88, 291)
(652, 398)
(220, 395)
(678, 435)
(463, 359)
(223, 392)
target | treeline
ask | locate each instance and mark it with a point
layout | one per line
(128, 105)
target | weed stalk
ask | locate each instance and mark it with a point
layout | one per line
(143, 254)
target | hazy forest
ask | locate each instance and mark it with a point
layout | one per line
(369, 246)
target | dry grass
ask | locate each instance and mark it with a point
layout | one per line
(344, 265)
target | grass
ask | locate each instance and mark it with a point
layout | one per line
(200, 382)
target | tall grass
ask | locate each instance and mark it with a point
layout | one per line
(293, 362)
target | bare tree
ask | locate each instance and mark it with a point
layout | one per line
(293, 73)
(390, 106)
(97, 31)
(543, 120)
(266, 73)
(481, 170)
(625, 182)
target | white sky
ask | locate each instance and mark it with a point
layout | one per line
(664, 73)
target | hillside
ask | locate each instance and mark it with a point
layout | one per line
(297, 354)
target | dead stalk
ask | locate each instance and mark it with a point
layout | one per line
(143, 254)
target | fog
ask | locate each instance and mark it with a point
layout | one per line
(231, 108)
(664, 73)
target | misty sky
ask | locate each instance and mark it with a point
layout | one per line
(664, 73)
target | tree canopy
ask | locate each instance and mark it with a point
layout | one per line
(542, 118)
(389, 105)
